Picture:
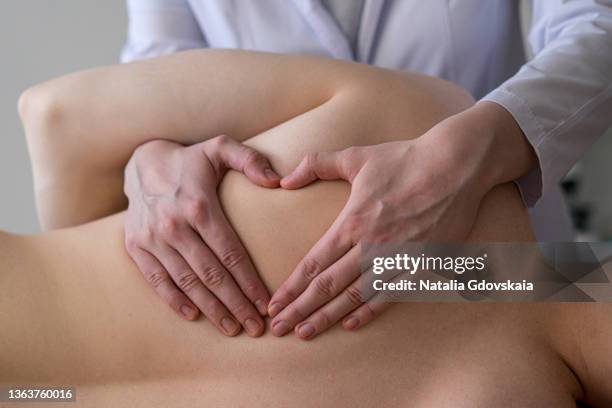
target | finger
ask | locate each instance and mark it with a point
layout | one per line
(375, 302)
(191, 285)
(237, 156)
(332, 246)
(216, 231)
(356, 297)
(158, 277)
(315, 166)
(321, 290)
(217, 280)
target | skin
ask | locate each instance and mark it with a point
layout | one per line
(424, 189)
(417, 190)
(78, 175)
(54, 117)
(87, 291)
(95, 323)
(183, 269)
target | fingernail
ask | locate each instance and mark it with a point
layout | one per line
(188, 311)
(280, 328)
(351, 322)
(270, 174)
(274, 309)
(261, 306)
(251, 326)
(306, 330)
(229, 325)
(284, 180)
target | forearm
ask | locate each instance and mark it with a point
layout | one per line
(186, 97)
(562, 98)
(83, 128)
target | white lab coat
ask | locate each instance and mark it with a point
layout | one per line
(562, 98)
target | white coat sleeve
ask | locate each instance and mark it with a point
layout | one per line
(159, 27)
(562, 98)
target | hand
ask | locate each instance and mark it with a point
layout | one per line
(178, 235)
(415, 190)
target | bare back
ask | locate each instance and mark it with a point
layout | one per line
(94, 322)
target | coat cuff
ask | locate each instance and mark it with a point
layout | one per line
(539, 180)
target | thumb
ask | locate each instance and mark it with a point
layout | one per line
(317, 166)
(237, 156)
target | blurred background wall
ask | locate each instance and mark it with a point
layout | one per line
(41, 39)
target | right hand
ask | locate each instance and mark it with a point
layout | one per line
(177, 234)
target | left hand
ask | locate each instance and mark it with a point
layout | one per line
(414, 190)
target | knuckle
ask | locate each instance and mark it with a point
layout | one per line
(131, 244)
(156, 277)
(324, 319)
(249, 287)
(212, 276)
(218, 141)
(353, 225)
(310, 269)
(222, 139)
(325, 285)
(147, 235)
(187, 282)
(286, 295)
(174, 299)
(253, 157)
(169, 227)
(368, 312)
(197, 210)
(311, 159)
(240, 308)
(232, 258)
(213, 309)
(354, 295)
(338, 239)
(295, 313)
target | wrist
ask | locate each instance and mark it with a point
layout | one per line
(487, 146)
(480, 148)
(507, 153)
(152, 153)
(149, 168)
